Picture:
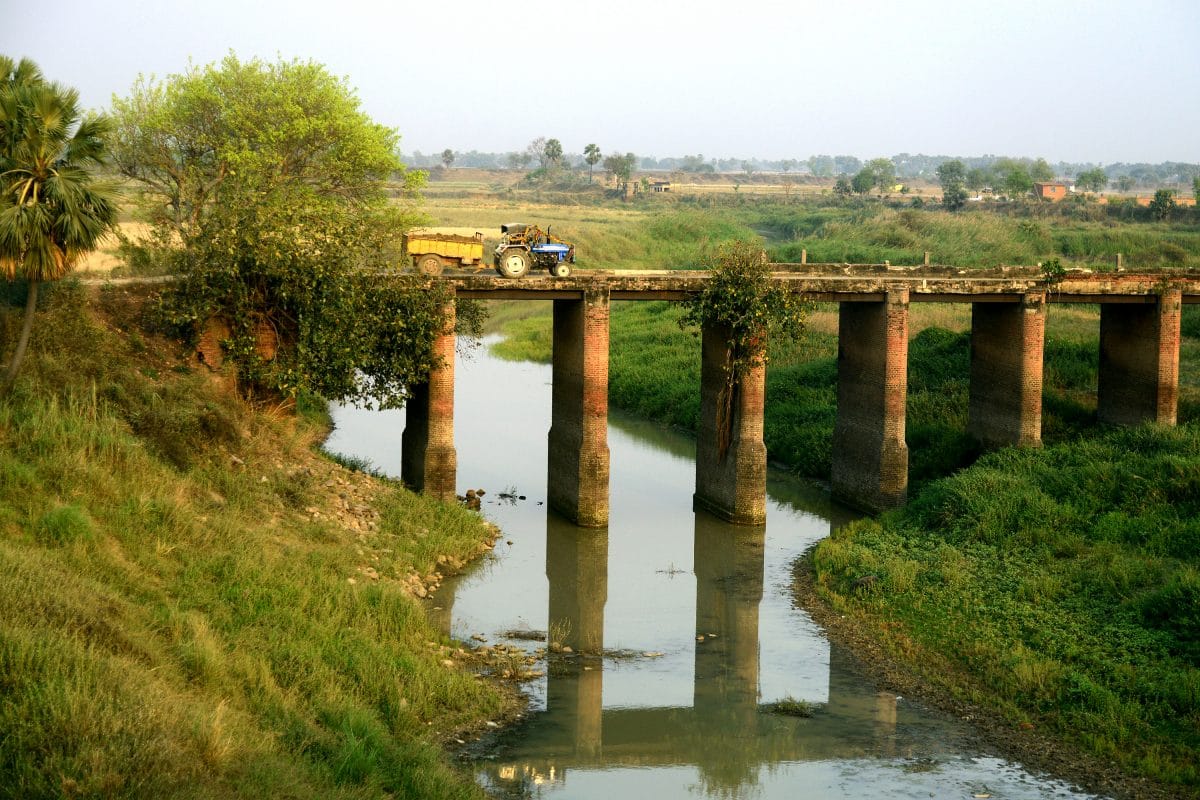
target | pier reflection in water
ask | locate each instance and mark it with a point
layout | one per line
(682, 627)
(725, 734)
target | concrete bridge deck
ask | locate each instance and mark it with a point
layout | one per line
(846, 283)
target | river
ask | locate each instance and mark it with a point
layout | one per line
(682, 628)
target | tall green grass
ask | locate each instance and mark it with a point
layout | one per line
(659, 234)
(175, 622)
(654, 371)
(1058, 586)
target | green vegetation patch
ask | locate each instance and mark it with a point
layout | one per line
(184, 614)
(1063, 582)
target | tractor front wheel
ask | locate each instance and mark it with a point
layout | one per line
(560, 269)
(514, 263)
(430, 264)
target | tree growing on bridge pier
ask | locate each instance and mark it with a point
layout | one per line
(741, 299)
(281, 204)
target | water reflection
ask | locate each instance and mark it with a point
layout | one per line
(648, 704)
(726, 734)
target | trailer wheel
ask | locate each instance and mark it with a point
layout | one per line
(514, 262)
(430, 264)
(560, 269)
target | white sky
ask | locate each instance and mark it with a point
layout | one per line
(1073, 80)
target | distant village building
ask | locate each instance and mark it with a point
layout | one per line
(660, 186)
(1050, 190)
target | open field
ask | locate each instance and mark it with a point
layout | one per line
(673, 233)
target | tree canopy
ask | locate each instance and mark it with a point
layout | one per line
(620, 167)
(52, 209)
(269, 189)
(1092, 180)
(953, 176)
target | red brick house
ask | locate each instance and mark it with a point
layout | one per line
(1050, 190)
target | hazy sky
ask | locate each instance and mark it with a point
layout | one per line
(1088, 80)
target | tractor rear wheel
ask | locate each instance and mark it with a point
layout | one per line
(430, 264)
(561, 269)
(514, 262)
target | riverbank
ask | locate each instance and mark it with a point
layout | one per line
(1050, 593)
(197, 603)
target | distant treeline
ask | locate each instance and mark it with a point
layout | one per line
(907, 165)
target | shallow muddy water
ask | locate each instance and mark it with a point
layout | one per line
(682, 628)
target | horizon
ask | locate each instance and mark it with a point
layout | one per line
(1065, 83)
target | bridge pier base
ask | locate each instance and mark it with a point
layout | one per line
(428, 461)
(1007, 341)
(1139, 361)
(577, 480)
(730, 485)
(870, 456)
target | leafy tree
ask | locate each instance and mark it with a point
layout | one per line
(953, 175)
(788, 164)
(883, 172)
(1163, 204)
(552, 153)
(1092, 180)
(842, 186)
(620, 168)
(977, 179)
(1017, 182)
(271, 185)
(52, 210)
(741, 299)
(845, 165)
(447, 157)
(1125, 182)
(863, 180)
(591, 156)
(1196, 189)
(821, 166)
(748, 168)
(1041, 171)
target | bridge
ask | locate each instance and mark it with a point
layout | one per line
(1138, 381)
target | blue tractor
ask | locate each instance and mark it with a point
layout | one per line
(524, 247)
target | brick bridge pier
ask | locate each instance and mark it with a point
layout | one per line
(1139, 375)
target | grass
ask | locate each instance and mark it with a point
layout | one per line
(184, 613)
(791, 707)
(674, 232)
(1058, 586)
(654, 372)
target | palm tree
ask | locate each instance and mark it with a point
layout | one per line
(591, 154)
(52, 211)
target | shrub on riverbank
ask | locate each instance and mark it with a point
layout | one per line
(189, 605)
(1059, 587)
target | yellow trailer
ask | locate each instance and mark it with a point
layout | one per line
(433, 252)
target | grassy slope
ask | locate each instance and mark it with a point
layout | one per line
(1060, 587)
(177, 621)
